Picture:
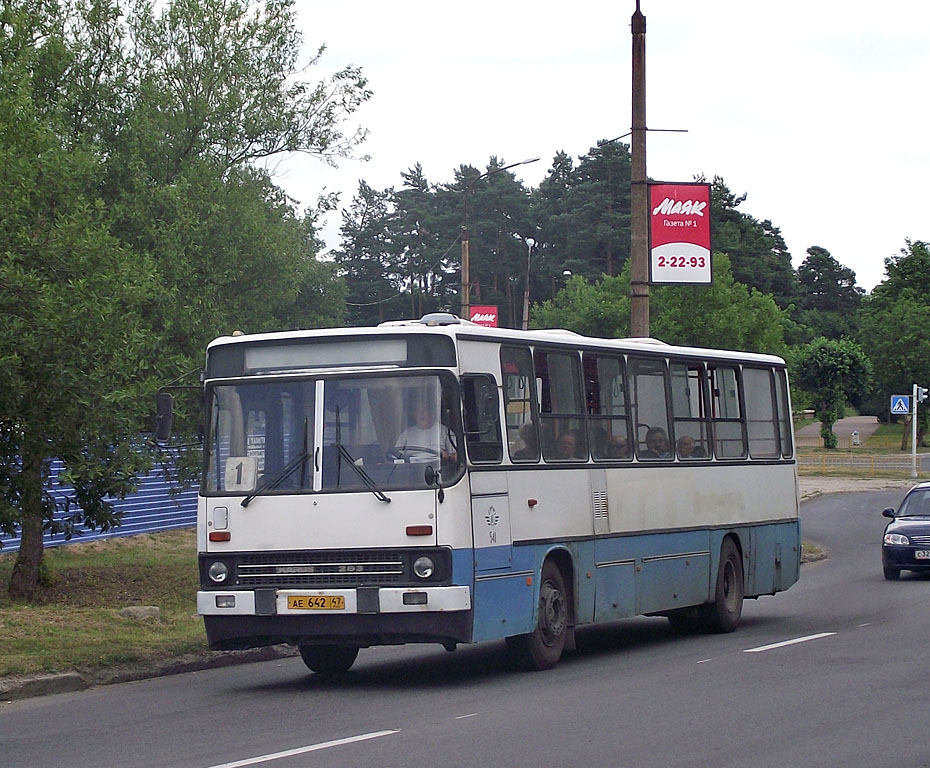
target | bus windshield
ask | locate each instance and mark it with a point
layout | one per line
(352, 433)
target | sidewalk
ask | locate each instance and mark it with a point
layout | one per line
(809, 436)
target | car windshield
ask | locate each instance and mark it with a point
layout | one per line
(916, 504)
(353, 433)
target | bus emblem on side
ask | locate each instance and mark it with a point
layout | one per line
(491, 517)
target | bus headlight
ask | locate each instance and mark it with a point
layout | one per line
(218, 572)
(424, 567)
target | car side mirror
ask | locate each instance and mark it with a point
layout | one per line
(889, 512)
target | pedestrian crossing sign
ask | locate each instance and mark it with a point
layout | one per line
(900, 404)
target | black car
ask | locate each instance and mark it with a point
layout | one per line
(906, 543)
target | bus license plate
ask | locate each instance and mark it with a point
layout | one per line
(922, 554)
(316, 603)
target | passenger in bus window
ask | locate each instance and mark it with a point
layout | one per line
(616, 447)
(688, 450)
(656, 444)
(530, 449)
(568, 446)
(426, 438)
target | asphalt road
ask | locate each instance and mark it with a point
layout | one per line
(830, 673)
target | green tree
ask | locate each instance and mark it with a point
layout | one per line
(831, 371)
(600, 309)
(76, 345)
(725, 314)
(758, 255)
(365, 258)
(583, 215)
(137, 224)
(894, 321)
(499, 223)
(828, 299)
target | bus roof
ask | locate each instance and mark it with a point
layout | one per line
(450, 325)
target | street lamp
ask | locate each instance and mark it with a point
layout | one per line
(466, 281)
(530, 242)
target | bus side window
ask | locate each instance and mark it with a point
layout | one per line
(520, 404)
(689, 410)
(608, 418)
(650, 408)
(561, 406)
(729, 438)
(761, 416)
(785, 429)
(482, 418)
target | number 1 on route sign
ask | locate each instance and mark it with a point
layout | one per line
(900, 404)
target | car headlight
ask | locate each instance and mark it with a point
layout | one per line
(424, 567)
(218, 571)
(896, 539)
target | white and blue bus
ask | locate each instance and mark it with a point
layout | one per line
(567, 481)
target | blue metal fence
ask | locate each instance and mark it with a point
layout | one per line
(151, 508)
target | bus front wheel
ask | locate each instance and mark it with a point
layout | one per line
(723, 614)
(329, 659)
(542, 648)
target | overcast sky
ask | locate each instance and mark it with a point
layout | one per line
(818, 110)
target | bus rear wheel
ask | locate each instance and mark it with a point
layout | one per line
(542, 648)
(329, 659)
(723, 614)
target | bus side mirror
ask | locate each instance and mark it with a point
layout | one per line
(164, 415)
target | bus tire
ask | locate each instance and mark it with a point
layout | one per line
(723, 614)
(329, 659)
(542, 648)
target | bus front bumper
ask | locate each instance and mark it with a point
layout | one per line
(302, 602)
(239, 619)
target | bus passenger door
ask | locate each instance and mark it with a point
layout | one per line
(490, 515)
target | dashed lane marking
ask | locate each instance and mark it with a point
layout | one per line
(784, 643)
(303, 750)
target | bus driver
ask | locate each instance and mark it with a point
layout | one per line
(426, 438)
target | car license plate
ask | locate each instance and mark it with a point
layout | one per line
(922, 554)
(316, 603)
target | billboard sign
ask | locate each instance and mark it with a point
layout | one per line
(483, 315)
(679, 234)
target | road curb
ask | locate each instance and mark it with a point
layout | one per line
(29, 686)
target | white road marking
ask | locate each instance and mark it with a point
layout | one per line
(303, 750)
(787, 642)
(704, 661)
(462, 717)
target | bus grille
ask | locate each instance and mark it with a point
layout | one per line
(309, 569)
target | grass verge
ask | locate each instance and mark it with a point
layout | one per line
(75, 623)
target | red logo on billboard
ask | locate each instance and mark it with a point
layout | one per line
(679, 233)
(486, 315)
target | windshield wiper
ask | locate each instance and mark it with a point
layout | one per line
(279, 478)
(366, 478)
(298, 461)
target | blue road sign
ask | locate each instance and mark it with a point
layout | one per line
(900, 404)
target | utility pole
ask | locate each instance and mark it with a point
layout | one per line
(918, 395)
(639, 225)
(466, 278)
